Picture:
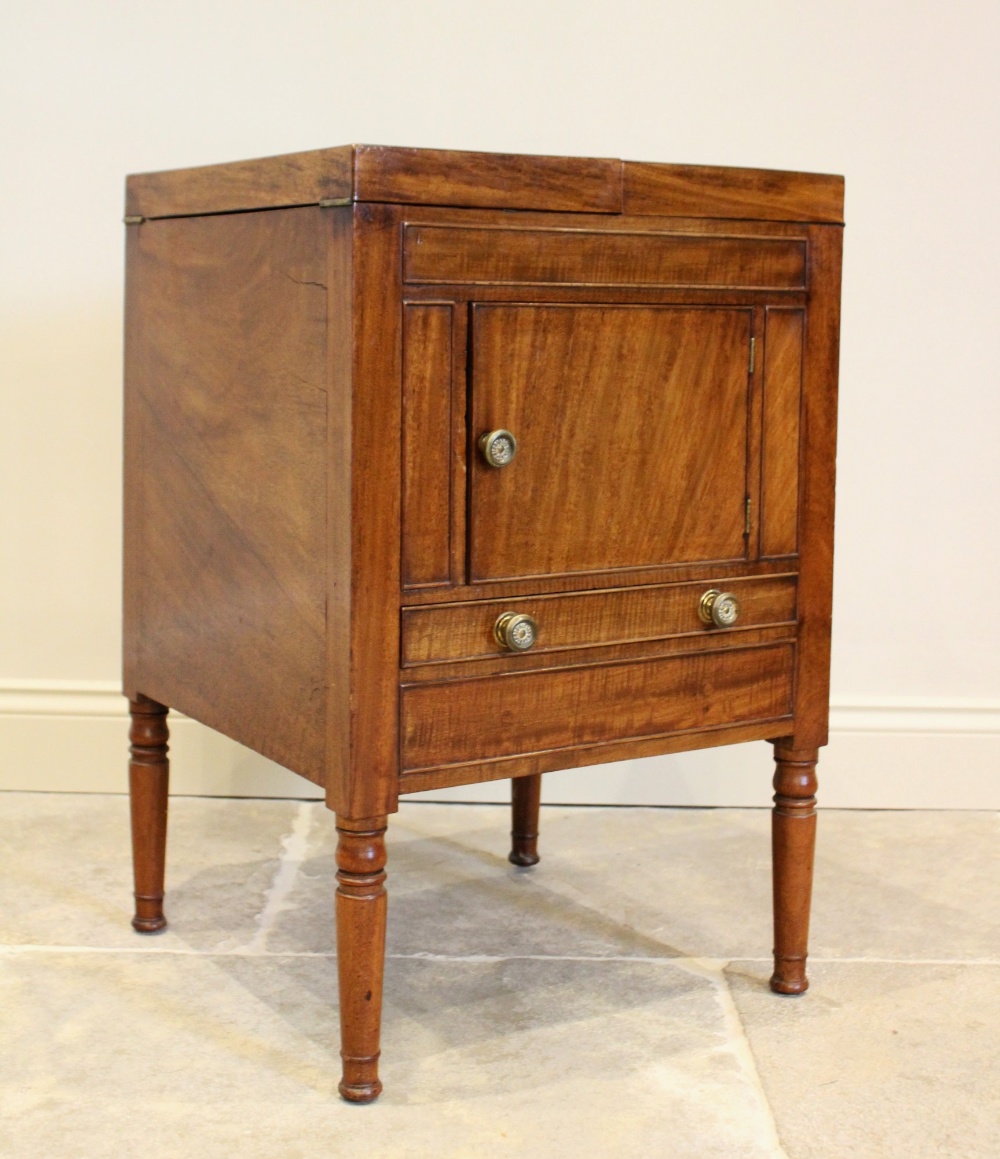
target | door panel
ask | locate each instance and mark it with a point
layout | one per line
(632, 437)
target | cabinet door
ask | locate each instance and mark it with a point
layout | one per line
(631, 427)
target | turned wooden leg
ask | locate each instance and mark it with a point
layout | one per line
(361, 906)
(525, 796)
(793, 841)
(148, 776)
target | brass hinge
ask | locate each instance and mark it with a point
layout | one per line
(746, 518)
(134, 219)
(330, 202)
(753, 349)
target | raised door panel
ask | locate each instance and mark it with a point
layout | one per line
(631, 424)
(782, 403)
(427, 359)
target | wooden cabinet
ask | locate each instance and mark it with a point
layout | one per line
(450, 467)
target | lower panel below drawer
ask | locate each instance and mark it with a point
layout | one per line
(459, 721)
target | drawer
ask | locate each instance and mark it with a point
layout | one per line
(495, 717)
(585, 619)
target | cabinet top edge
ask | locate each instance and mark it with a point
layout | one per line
(409, 176)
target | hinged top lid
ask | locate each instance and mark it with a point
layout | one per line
(488, 181)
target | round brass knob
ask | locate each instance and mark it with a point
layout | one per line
(516, 631)
(498, 447)
(719, 608)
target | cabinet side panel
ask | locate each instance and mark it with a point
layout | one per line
(817, 481)
(782, 397)
(427, 362)
(340, 359)
(135, 372)
(229, 380)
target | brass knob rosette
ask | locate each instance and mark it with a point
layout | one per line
(719, 609)
(515, 631)
(498, 447)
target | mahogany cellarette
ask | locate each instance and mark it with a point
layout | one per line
(450, 467)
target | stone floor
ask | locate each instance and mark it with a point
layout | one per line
(612, 1001)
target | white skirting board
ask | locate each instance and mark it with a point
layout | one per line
(888, 754)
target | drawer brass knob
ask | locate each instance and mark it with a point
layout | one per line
(719, 608)
(498, 447)
(516, 631)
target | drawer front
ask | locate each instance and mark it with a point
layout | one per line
(460, 721)
(462, 255)
(585, 619)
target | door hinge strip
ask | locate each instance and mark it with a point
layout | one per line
(746, 518)
(753, 352)
(331, 202)
(134, 219)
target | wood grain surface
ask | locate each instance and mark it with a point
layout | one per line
(527, 765)
(592, 581)
(817, 482)
(572, 257)
(227, 523)
(269, 183)
(500, 180)
(427, 445)
(586, 619)
(376, 343)
(148, 784)
(501, 663)
(316, 553)
(339, 502)
(135, 371)
(783, 335)
(714, 191)
(497, 716)
(492, 180)
(361, 918)
(793, 847)
(632, 430)
(525, 799)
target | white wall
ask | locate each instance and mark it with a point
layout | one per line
(902, 99)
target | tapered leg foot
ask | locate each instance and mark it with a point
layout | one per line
(148, 778)
(526, 796)
(793, 843)
(361, 910)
